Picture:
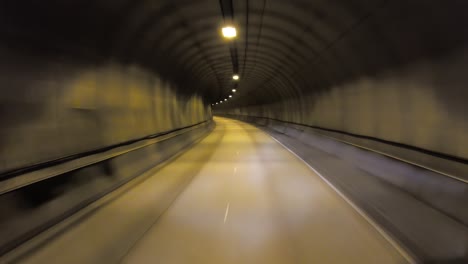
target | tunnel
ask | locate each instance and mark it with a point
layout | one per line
(233, 131)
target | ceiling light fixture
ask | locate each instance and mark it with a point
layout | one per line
(230, 96)
(225, 99)
(229, 32)
(235, 77)
(234, 90)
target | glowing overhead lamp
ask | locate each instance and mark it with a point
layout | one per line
(225, 99)
(230, 96)
(235, 77)
(234, 90)
(229, 32)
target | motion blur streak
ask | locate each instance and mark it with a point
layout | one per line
(279, 212)
(97, 95)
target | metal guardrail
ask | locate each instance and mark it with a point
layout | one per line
(53, 169)
(324, 132)
(396, 158)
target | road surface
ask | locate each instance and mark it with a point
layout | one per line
(238, 196)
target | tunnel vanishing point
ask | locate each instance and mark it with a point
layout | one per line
(234, 131)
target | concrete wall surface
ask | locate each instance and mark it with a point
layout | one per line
(422, 105)
(28, 211)
(52, 107)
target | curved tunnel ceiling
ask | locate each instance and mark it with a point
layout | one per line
(284, 48)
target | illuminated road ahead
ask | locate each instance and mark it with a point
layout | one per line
(236, 197)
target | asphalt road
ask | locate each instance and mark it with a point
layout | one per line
(238, 196)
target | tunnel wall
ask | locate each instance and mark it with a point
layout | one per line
(56, 107)
(422, 105)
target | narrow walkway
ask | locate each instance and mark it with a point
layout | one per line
(236, 197)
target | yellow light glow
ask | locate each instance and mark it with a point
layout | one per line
(225, 99)
(234, 90)
(235, 77)
(230, 96)
(229, 32)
